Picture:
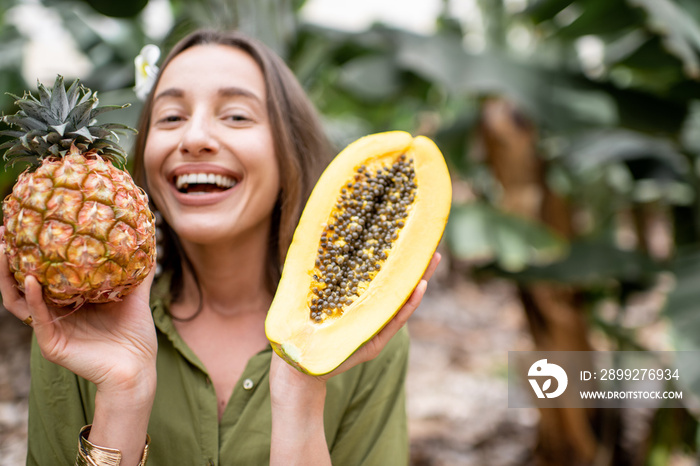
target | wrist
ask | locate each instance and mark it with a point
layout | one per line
(90, 454)
(294, 390)
(135, 387)
(121, 421)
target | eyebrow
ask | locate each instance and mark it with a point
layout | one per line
(172, 92)
(224, 92)
(238, 92)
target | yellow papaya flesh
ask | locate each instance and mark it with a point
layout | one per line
(365, 237)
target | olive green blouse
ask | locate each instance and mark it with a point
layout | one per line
(365, 416)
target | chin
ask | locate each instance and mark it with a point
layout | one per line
(203, 232)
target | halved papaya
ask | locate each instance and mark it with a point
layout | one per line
(366, 235)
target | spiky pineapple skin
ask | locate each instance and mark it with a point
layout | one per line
(81, 227)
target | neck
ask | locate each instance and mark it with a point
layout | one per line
(232, 277)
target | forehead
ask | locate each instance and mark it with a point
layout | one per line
(213, 66)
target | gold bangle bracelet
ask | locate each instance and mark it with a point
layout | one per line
(93, 455)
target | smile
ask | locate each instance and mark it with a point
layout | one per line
(203, 183)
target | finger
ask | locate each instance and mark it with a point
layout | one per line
(416, 297)
(143, 290)
(12, 298)
(409, 307)
(35, 302)
(148, 281)
(432, 266)
(401, 317)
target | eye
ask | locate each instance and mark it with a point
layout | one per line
(170, 119)
(238, 117)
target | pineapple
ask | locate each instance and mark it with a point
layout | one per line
(75, 219)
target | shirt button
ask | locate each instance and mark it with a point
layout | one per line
(248, 384)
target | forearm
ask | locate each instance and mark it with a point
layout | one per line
(121, 421)
(298, 436)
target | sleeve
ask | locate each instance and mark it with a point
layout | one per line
(374, 427)
(57, 412)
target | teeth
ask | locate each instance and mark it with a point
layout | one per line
(222, 181)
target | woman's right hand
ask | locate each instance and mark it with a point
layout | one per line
(112, 345)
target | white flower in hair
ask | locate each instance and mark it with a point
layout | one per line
(146, 70)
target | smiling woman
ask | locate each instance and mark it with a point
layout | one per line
(228, 150)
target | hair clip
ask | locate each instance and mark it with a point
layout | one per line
(146, 70)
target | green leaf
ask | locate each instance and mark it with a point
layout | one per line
(371, 78)
(477, 232)
(84, 132)
(680, 31)
(44, 95)
(439, 58)
(25, 122)
(34, 109)
(11, 133)
(681, 310)
(81, 114)
(60, 129)
(113, 128)
(59, 100)
(682, 302)
(594, 262)
(106, 108)
(72, 93)
(592, 150)
(600, 17)
(545, 10)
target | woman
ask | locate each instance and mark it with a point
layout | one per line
(225, 105)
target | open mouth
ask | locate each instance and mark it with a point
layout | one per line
(203, 183)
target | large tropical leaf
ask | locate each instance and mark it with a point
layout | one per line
(591, 150)
(479, 233)
(683, 311)
(599, 17)
(592, 263)
(679, 30)
(371, 77)
(683, 303)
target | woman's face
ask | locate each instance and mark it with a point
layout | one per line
(209, 155)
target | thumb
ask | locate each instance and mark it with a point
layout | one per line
(43, 320)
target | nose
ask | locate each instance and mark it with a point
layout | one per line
(198, 138)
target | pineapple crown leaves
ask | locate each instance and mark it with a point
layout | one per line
(59, 118)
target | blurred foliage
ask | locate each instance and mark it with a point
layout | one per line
(612, 87)
(508, 241)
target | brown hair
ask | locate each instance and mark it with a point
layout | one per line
(300, 145)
